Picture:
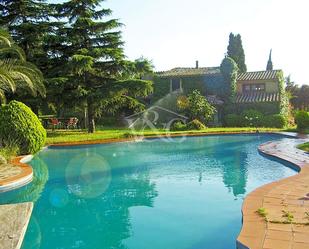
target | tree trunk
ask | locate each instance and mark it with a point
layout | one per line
(91, 123)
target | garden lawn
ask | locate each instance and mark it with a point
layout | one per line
(304, 146)
(71, 136)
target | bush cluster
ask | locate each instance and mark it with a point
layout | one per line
(302, 120)
(195, 124)
(255, 118)
(21, 127)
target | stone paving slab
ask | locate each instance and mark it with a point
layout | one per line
(287, 197)
(14, 219)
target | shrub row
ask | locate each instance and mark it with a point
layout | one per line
(255, 119)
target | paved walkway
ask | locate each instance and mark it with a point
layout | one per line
(14, 220)
(285, 204)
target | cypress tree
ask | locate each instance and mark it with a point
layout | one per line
(269, 66)
(236, 52)
(229, 71)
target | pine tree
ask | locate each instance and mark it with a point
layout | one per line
(95, 61)
(236, 52)
(269, 66)
(27, 21)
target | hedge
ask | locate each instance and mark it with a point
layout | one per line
(257, 119)
(302, 120)
(21, 127)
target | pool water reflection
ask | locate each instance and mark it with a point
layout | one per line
(145, 195)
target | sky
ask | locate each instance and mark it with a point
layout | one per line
(176, 33)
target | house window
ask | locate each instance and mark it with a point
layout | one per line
(175, 84)
(253, 88)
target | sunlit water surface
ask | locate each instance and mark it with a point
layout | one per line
(145, 195)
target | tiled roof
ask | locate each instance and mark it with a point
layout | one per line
(187, 71)
(257, 97)
(214, 100)
(260, 75)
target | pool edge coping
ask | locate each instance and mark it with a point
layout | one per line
(132, 139)
(20, 180)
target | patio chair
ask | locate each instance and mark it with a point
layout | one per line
(72, 123)
(55, 123)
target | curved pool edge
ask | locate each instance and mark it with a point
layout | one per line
(288, 193)
(138, 138)
(20, 180)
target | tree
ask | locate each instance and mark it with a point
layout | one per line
(15, 71)
(97, 73)
(27, 21)
(236, 52)
(298, 95)
(196, 106)
(34, 28)
(229, 71)
(269, 66)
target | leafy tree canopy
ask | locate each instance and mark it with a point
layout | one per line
(15, 72)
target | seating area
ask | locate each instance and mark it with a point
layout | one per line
(60, 123)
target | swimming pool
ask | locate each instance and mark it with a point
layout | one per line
(181, 194)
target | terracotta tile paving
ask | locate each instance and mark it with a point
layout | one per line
(287, 197)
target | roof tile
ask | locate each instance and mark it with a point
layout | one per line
(257, 97)
(259, 75)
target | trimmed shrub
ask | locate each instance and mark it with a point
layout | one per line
(233, 120)
(302, 120)
(195, 124)
(274, 121)
(178, 126)
(251, 118)
(18, 124)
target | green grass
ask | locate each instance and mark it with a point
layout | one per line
(304, 146)
(294, 129)
(65, 136)
(262, 212)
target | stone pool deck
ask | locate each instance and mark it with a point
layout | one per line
(285, 203)
(14, 220)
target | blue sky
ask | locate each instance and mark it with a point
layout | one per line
(175, 33)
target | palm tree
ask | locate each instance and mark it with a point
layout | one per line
(15, 71)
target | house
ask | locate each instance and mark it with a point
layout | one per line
(261, 90)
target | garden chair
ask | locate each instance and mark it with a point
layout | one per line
(55, 123)
(72, 123)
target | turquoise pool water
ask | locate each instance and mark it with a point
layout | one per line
(145, 195)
